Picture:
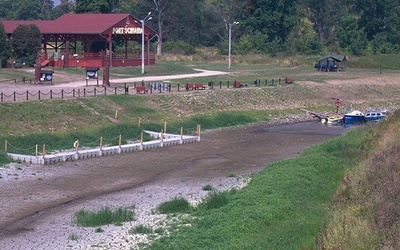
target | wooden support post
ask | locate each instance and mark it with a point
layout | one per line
(5, 146)
(141, 141)
(139, 121)
(162, 139)
(44, 150)
(101, 146)
(119, 144)
(76, 146)
(181, 141)
(198, 132)
(165, 127)
(36, 150)
(116, 114)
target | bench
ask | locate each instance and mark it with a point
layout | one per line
(199, 86)
(237, 84)
(141, 89)
(288, 80)
(189, 86)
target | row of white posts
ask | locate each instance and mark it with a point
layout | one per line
(161, 136)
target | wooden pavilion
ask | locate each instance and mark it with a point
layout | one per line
(60, 39)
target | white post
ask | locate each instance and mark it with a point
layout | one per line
(142, 21)
(229, 46)
(230, 42)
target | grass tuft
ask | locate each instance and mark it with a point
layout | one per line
(207, 187)
(104, 216)
(215, 200)
(177, 205)
(141, 229)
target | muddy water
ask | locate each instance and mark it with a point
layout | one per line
(306, 128)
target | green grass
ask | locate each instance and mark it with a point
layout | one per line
(104, 216)
(141, 229)
(176, 205)
(207, 187)
(283, 207)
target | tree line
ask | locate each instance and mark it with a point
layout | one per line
(264, 26)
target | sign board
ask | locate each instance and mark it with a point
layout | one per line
(46, 76)
(92, 73)
(123, 30)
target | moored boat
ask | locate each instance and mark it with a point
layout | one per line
(375, 115)
(333, 120)
(354, 116)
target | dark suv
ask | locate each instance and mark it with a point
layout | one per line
(322, 66)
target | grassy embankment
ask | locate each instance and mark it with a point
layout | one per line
(342, 194)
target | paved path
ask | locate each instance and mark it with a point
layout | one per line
(155, 78)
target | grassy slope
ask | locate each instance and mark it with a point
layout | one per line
(283, 207)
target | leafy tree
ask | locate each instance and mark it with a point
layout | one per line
(274, 18)
(376, 15)
(5, 50)
(47, 8)
(96, 6)
(26, 41)
(65, 7)
(350, 37)
(324, 14)
(381, 44)
(303, 39)
(5, 7)
(27, 10)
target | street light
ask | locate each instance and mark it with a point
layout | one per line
(230, 38)
(148, 17)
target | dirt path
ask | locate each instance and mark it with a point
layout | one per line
(30, 193)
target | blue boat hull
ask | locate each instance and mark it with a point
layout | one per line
(350, 119)
(375, 118)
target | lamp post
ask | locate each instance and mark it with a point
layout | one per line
(230, 39)
(148, 17)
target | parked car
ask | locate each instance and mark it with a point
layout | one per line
(18, 64)
(322, 66)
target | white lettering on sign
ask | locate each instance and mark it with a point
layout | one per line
(127, 30)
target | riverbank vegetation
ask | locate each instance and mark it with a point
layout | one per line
(341, 194)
